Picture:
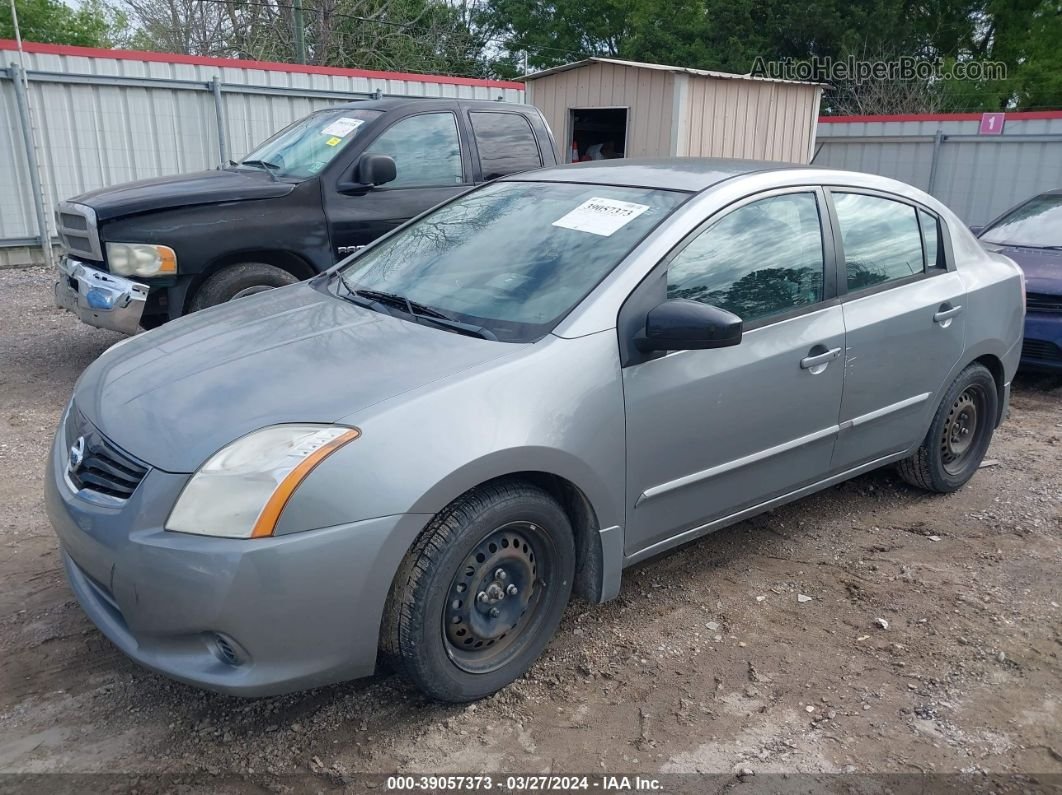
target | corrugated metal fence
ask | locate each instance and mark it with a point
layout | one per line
(103, 117)
(978, 175)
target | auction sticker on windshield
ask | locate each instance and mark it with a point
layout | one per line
(342, 127)
(600, 216)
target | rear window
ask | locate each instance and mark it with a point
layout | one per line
(506, 143)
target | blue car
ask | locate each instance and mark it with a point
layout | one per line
(1031, 235)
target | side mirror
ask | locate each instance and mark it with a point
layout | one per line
(977, 230)
(368, 172)
(679, 324)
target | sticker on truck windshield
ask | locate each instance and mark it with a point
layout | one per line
(342, 127)
(600, 216)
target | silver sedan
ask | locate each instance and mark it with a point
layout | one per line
(420, 455)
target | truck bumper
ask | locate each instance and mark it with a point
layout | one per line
(98, 298)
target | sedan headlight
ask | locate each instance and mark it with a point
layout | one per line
(241, 490)
(141, 259)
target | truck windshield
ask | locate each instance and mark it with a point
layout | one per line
(304, 148)
(512, 258)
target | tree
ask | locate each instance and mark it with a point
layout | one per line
(409, 35)
(92, 24)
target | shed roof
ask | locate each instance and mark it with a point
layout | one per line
(662, 68)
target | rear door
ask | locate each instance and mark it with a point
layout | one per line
(712, 432)
(904, 318)
(433, 166)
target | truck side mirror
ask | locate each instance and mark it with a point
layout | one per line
(368, 172)
(376, 169)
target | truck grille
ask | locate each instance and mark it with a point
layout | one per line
(1043, 302)
(103, 467)
(77, 230)
(1041, 349)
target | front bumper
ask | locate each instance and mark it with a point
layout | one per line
(1042, 346)
(99, 298)
(245, 617)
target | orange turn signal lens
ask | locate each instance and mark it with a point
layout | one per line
(270, 515)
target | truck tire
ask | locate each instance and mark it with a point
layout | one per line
(238, 281)
(959, 435)
(481, 592)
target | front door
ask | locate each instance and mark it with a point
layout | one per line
(712, 432)
(905, 321)
(431, 168)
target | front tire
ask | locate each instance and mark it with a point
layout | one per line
(959, 435)
(239, 281)
(481, 592)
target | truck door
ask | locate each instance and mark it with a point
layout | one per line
(432, 166)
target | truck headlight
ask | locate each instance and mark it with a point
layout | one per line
(242, 489)
(141, 259)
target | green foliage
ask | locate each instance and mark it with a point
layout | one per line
(92, 24)
(728, 35)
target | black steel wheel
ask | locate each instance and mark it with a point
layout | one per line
(960, 429)
(494, 596)
(959, 436)
(482, 591)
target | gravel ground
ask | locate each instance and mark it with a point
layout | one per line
(710, 660)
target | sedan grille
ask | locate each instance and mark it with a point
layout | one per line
(1043, 302)
(76, 224)
(97, 464)
(1041, 349)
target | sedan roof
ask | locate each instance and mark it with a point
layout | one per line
(691, 174)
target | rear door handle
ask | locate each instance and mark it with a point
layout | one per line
(812, 362)
(945, 314)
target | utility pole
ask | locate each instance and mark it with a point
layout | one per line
(525, 62)
(300, 33)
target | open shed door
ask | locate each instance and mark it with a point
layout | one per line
(597, 134)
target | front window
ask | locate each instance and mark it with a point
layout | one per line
(1037, 224)
(301, 150)
(513, 257)
(426, 149)
(762, 259)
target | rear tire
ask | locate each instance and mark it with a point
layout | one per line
(239, 281)
(959, 436)
(481, 592)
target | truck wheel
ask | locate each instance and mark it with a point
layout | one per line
(480, 593)
(959, 436)
(238, 281)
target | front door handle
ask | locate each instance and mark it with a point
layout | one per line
(816, 363)
(945, 314)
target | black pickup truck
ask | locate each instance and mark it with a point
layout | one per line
(145, 252)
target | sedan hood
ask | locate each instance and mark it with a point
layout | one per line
(182, 190)
(176, 395)
(1042, 267)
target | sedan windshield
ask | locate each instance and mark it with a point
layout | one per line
(512, 258)
(304, 148)
(1037, 224)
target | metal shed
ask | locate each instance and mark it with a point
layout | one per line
(603, 107)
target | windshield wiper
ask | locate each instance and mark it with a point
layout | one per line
(270, 168)
(417, 310)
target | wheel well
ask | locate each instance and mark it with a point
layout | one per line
(285, 260)
(995, 367)
(588, 555)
